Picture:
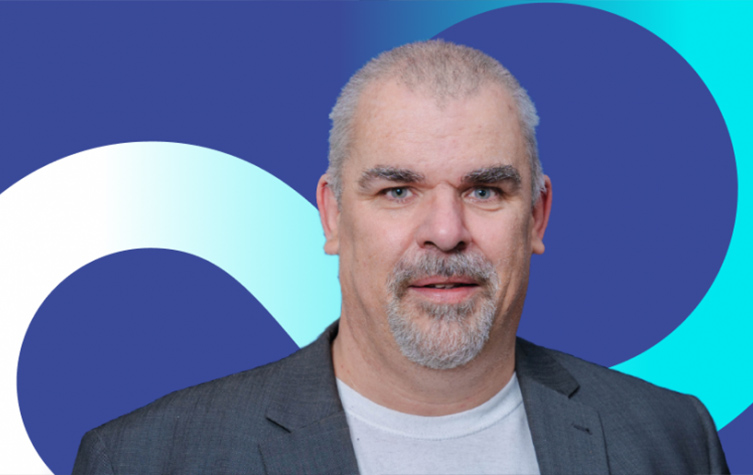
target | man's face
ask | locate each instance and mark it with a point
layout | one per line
(435, 228)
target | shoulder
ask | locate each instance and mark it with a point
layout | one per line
(639, 420)
(184, 428)
(597, 382)
(212, 427)
(211, 402)
(610, 391)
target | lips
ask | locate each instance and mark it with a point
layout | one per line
(444, 283)
(445, 286)
(443, 278)
(444, 290)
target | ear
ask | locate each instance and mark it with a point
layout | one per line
(541, 217)
(329, 213)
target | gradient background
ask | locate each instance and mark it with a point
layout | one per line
(647, 197)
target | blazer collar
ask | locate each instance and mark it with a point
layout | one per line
(307, 405)
(567, 435)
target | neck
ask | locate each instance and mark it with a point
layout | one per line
(386, 377)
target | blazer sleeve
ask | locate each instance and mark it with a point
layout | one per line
(92, 458)
(717, 460)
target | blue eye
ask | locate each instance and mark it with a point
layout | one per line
(483, 193)
(398, 193)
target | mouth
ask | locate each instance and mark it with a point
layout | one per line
(444, 290)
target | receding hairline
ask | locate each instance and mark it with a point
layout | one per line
(376, 93)
(373, 89)
(444, 71)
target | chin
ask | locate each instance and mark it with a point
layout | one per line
(441, 336)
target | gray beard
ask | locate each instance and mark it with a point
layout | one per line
(456, 333)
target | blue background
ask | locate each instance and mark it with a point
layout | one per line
(641, 160)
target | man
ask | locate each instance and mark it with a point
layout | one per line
(435, 201)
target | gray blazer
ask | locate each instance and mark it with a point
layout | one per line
(286, 418)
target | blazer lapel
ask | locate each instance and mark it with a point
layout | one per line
(308, 406)
(567, 435)
(320, 448)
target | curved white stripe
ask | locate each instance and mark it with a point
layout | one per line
(154, 195)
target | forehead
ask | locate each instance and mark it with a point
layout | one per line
(399, 127)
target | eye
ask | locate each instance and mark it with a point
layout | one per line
(398, 193)
(484, 193)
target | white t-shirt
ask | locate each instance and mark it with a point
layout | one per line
(492, 438)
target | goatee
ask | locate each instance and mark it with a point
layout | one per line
(455, 333)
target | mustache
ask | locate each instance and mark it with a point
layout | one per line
(467, 265)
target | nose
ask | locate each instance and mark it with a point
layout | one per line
(442, 225)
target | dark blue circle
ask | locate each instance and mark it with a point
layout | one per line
(128, 329)
(643, 171)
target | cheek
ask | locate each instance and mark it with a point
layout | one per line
(371, 245)
(378, 235)
(502, 239)
(506, 243)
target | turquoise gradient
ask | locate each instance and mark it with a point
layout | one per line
(238, 217)
(706, 355)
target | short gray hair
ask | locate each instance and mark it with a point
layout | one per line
(446, 71)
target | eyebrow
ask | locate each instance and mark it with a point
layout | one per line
(491, 175)
(398, 175)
